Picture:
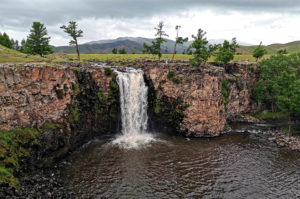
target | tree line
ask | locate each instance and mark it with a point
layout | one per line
(37, 42)
(200, 47)
(278, 87)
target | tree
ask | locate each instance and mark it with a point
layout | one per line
(282, 51)
(22, 45)
(71, 29)
(269, 70)
(122, 51)
(155, 48)
(259, 52)
(203, 50)
(287, 89)
(15, 44)
(5, 41)
(278, 87)
(38, 41)
(178, 40)
(226, 52)
(114, 51)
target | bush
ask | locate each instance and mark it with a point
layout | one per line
(171, 74)
(176, 80)
(107, 71)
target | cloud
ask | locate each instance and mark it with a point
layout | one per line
(103, 19)
(21, 12)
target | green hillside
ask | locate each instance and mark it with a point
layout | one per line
(291, 47)
(10, 55)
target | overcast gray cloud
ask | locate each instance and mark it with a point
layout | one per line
(19, 12)
(132, 17)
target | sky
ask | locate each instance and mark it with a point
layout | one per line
(250, 21)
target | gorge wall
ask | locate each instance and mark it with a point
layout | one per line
(80, 103)
(76, 103)
(197, 102)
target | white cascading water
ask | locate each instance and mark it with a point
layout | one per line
(133, 103)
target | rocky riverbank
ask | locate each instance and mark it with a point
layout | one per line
(38, 183)
(284, 140)
(272, 134)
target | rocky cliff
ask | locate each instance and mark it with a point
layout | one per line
(47, 111)
(197, 102)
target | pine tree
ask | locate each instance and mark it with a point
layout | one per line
(226, 52)
(5, 41)
(122, 51)
(155, 48)
(22, 45)
(71, 29)
(259, 52)
(203, 50)
(114, 51)
(38, 41)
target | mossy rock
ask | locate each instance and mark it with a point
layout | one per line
(15, 146)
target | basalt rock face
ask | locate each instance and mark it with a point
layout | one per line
(83, 101)
(197, 102)
(29, 96)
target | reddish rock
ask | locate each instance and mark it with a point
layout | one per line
(202, 90)
(28, 96)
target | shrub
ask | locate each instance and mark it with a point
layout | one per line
(107, 71)
(176, 80)
(171, 74)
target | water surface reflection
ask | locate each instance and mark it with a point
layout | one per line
(232, 166)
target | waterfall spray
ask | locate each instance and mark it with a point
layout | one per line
(133, 103)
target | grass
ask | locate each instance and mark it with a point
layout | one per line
(12, 56)
(117, 58)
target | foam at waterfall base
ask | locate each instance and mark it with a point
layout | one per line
(134, 141)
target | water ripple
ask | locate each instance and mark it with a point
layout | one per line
(232, 166)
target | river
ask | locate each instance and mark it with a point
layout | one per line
(236, 165)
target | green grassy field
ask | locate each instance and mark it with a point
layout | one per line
(12, 56)
(134, 57)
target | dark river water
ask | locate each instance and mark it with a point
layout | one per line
(236, 165)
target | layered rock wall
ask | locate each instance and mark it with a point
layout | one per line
(29, 95)
(204, 98)
(84, 102)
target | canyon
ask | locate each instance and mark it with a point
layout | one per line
(49, 111)
(202, 99)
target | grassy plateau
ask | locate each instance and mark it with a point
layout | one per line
(12, 56)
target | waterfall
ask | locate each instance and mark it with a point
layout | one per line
(133, 104)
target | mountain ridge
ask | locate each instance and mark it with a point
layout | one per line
(135, 45)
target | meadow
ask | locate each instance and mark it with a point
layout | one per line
(12, 56)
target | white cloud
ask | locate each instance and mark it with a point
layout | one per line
(251, 27)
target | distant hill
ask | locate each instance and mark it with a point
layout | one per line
(131, 44)
(291, 47)
(135, 45)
